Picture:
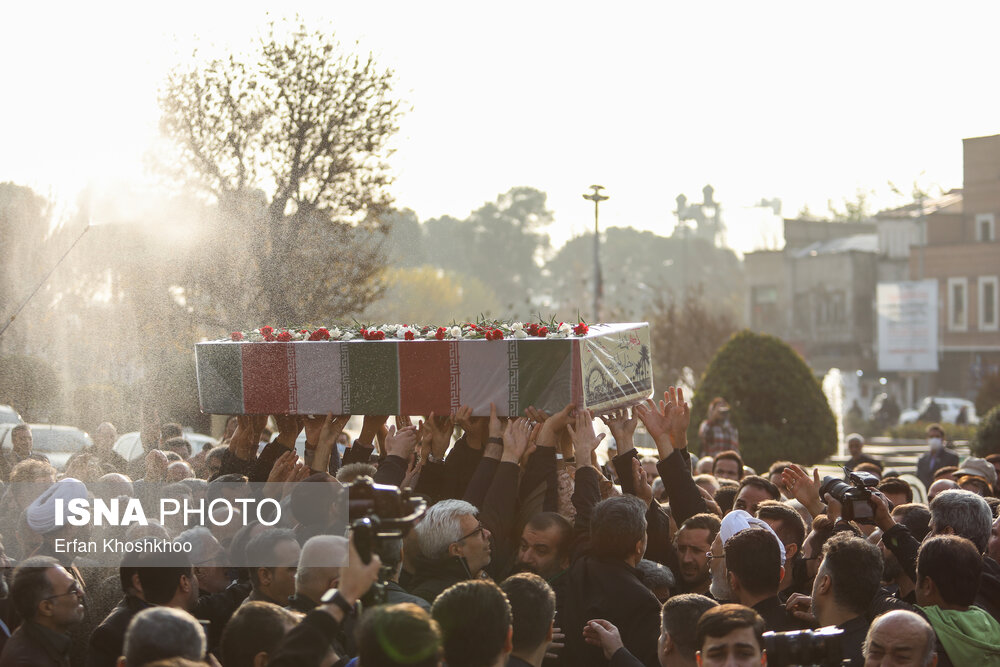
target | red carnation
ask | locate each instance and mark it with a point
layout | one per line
(409, 335)
(494, 334)
(542, 332)
(266, 331)
(284, 337)
(532, 329)
(320, 334)
(378, 335)
(441, 333)
(236, 335)
(581, 329)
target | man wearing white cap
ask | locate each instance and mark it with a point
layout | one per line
(754, 566)
(41, 515)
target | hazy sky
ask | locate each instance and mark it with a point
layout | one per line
(801, 101)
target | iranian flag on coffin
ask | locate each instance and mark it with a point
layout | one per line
(608, 368)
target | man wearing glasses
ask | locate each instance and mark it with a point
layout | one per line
(454, 546)
(50, 601)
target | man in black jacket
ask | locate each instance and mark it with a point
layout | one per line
(51, 603)
(936, 457)
(603, 581)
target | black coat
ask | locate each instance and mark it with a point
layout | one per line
(433, 576)
(943, 459)
(31, 645)
(107, 642)
(609, 589)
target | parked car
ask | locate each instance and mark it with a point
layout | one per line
(950, 407)
(56, 442)
(129, 447)
(8, 415)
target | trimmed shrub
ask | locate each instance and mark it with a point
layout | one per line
(777, 403)
(987, 438)
(918, 431)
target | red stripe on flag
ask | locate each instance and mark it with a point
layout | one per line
(425, 382)
(265, 378)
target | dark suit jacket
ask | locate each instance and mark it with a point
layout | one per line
(108, 639)
(943, 459)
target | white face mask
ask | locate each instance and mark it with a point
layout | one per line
(935, 443)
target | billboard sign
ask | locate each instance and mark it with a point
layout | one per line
(908, 326)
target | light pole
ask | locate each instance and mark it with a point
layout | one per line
(597, 198)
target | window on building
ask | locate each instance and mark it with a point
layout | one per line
(988, 304)
(985, 227)
(764, 314)
(958, 304)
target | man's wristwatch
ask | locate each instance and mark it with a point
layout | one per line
(334, 597)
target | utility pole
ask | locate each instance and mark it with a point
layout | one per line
(597, 198)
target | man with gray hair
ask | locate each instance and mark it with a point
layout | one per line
(954, 512)
(454, 546)
(162, 633)
(900, 638)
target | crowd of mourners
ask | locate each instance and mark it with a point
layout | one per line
(530, 552)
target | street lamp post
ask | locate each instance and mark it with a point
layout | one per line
(597, 198)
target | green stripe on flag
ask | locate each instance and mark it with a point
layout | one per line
(220, 378)
(372, 372)
(541, 366)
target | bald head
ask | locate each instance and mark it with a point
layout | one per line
(939, 486)
(320, 562)
(900, 638)
(179, 470)
(113, 485)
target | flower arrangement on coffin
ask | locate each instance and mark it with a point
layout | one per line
(483, 329)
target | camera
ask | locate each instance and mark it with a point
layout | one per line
(805, 648)
(853, 495)
(380, 517)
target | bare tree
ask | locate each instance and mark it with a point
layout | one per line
(291, 144)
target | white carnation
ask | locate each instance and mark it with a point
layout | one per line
(520, 333)
(347, 336)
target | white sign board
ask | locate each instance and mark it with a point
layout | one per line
(908, 326)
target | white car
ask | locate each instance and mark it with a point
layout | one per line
(58, 443)
(129, 447)
(950, 407)
(8, 415)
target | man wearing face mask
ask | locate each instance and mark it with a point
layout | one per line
(936, 457)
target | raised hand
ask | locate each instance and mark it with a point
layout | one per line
(552, 427)
(804, 488)
(657, 425)
(602, 633)
(370, 428)
(314, 426)
(515, 440)
(244, 442)
(678, 413)
(800, 606)
(416, 464)
(332, 428)
(640, 481)
(622, 429)
(282, 468)
(440, 429)
(557, 644)
(288, 430)
(357, 578)
(585, 439)
(401, 442)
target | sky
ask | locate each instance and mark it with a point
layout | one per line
(806, 102)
